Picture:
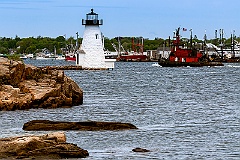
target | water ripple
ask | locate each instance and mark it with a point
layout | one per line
(181, 113)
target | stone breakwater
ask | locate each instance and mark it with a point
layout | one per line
(71, 68)
(25, 86)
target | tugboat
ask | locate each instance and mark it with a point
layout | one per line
(185, 57)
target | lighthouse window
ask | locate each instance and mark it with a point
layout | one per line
(92, 17)
(96, 36)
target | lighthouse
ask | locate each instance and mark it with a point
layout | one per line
(91, 53)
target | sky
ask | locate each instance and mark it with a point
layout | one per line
(131, 18)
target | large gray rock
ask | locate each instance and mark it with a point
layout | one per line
(25, 86)
(49, 146)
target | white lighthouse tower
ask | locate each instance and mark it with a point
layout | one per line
(91, 54)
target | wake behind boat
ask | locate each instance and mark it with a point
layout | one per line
(156, 65)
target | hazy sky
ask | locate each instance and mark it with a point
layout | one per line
(146, 18)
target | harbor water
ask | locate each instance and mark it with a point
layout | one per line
(181, 113)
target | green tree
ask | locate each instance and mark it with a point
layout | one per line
(108, 44)
(60, 39)
(25, 43)
(3, 50)
(31, 49)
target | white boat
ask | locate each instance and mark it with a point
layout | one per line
(110, 55)
(23, 56)
(30, 56)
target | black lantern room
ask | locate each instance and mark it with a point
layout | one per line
(92, 19)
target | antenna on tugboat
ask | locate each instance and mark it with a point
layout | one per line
(191, 38)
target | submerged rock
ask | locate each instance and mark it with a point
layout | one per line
(46, 125)
(25, 86)
(49, 146)
(140, 150)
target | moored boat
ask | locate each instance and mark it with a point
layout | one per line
(133, 57)
(23, 56)
(70, 57)
(136, 54)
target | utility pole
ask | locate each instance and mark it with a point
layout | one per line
(233, 43)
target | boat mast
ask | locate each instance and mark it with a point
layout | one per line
(221, 41)
(77, 41)
(233, 43)
(216, 39)
(133, 45)
(204, 43)
(119, 46)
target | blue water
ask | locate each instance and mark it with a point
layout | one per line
(181, 113)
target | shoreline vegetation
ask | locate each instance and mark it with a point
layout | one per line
(61, 45)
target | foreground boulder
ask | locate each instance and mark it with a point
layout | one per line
(49, 146)
(46, 125)
(25, 86)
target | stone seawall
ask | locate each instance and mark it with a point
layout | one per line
(25, 86)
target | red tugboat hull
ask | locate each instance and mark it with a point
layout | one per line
(188, 64)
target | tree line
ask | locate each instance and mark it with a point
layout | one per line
(34, 45)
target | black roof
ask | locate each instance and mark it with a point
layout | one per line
(92, 13)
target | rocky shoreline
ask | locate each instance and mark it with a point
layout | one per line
(25, 86)
(48, 146)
